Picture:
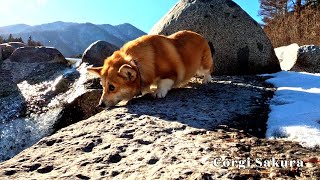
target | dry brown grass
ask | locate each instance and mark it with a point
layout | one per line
(292, 28)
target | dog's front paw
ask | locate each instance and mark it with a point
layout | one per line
(159, 93)
(207, 79)
(164, 85)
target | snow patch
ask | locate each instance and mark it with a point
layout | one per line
(295, 108)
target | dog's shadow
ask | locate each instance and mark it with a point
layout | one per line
(208, 106)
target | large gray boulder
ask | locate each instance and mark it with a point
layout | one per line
(97, 52)
(37, 55)
(16, 44)
(237, 42)
(308, 59)
(33, 64)
(7, 84)
(8, 48)
(287, 55)
(1, 58)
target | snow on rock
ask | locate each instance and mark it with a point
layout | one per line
(287, 56)
(295, 108)
(308, 59)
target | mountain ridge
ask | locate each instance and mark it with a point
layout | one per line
(73, 38)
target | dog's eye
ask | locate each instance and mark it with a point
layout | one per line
(111, 87)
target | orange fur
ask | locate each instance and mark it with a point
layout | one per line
(164, 61)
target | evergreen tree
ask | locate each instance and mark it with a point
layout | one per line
(10, 38)
(19, 40)
(30, 41)
(33, 43)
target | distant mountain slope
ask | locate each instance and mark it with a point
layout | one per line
(13, 29)
(73, 38)
(129, 30)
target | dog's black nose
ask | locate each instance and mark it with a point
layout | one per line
(102, 104)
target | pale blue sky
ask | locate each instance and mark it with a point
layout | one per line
(141, 13)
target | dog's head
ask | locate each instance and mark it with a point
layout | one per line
(120, 80)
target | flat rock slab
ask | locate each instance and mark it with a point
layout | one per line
(176, 137)
(233, 100)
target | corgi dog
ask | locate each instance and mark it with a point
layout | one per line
(153, 60)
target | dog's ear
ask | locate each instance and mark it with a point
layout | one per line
(95, 70)
(128, 72)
